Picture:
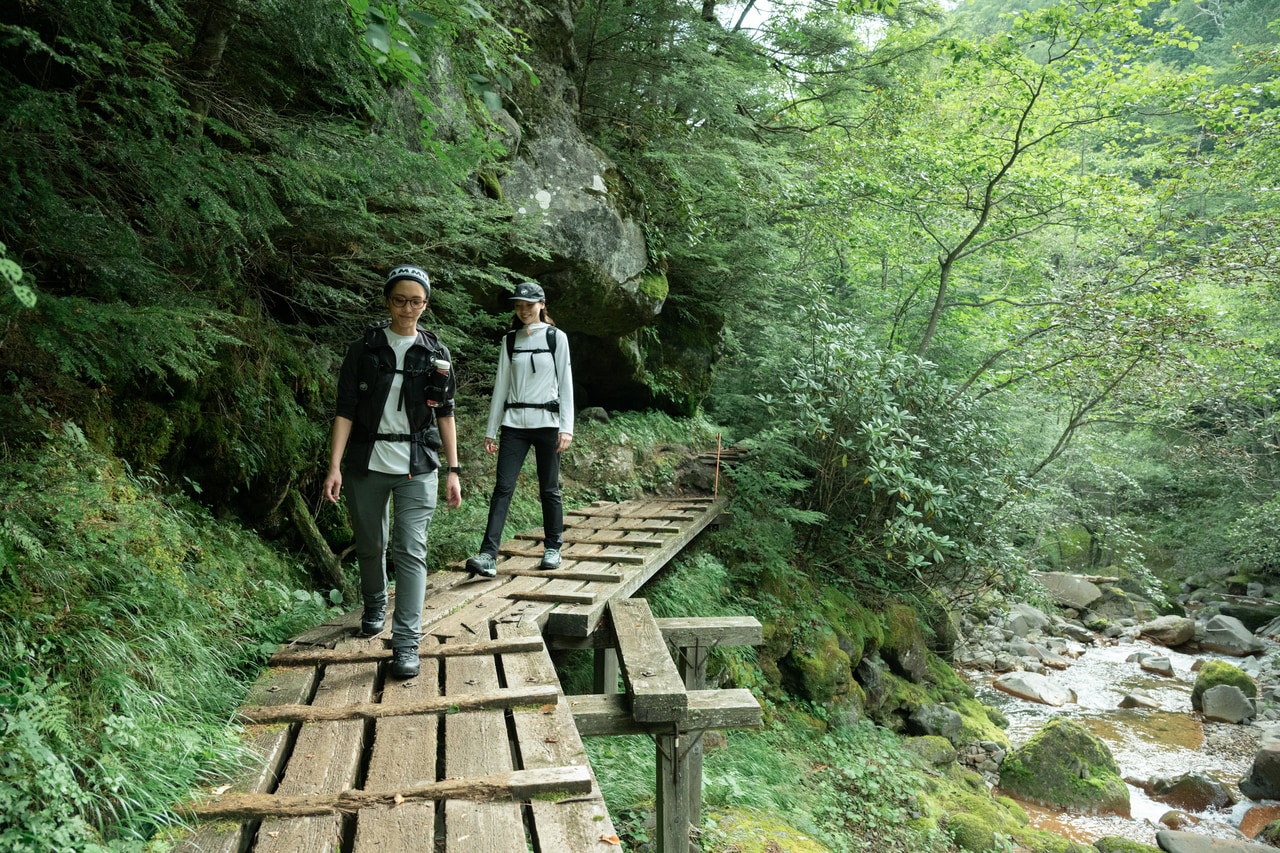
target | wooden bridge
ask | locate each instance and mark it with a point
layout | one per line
(482, 753)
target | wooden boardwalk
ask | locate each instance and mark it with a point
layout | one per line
(481, 752)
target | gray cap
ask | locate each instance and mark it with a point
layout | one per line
(528, 291)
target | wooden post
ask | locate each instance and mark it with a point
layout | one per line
(673, 795)
(693, 668)
(605, 664)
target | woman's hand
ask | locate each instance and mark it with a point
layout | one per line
(563, 444)
(490, 446)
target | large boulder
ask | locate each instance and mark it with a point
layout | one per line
(904, 647)
(1193, 792)
(1227, 703)
(1263, 781)
(1065, 766)
(1227, 635)
(934, 719)
(1177, 841)
(1068, 590)
(1169, 630)
(1034, 688)
(1216, 672)
(1024, 619)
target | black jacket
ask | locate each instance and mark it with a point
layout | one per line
(365, 381)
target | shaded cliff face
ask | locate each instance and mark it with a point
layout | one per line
(603, 288)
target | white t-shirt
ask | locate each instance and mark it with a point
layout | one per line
(392, 457)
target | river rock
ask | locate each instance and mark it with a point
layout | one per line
(1035, 688)
(1023, 619)
(1227, 703)
(1253, 615)
(1227, 635)
(1176, 841)
(1138, 699)
(1271, 630)
(1178, 819)
(1065, 766)
(1214, 672)
(1069, 590)
(1158, 664)
(1263, 781)
(1193, 792)
(1169, 631)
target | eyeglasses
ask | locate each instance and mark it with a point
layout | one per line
(401, 301)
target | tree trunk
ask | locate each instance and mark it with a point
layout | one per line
(220, 18)
(330, 565)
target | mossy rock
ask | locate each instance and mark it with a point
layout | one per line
(1215, 672)
(1112, 844)
(934, 750)
(904, 647)
(970, 832)
(1063, 765)
(1270, 834)
(981, 722)
(858, 627)
(818, 669)
(757, 832)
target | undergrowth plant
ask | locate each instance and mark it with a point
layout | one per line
(131, 623)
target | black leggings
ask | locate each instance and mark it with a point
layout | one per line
(513, 447)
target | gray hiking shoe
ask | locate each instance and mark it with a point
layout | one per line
(550, 559)
(483, 565)
(404, 663)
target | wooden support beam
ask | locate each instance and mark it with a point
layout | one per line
(604, 665)
(516, 784)
(674, 819)
(372, 711)
(312, 657)
(656, 689)
(603, 714)
(712, 631)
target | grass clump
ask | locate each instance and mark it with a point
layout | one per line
(131, 622)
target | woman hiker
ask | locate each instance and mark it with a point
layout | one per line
(395, 416)
(533, 404)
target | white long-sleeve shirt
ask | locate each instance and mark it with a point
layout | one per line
(532, 378)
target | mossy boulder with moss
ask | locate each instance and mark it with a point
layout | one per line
(934, 750)
(857, 626)
(817, 668)
(750, 831)
(1065, 766)
(904, 647)
(971, 832)
(1216, 672)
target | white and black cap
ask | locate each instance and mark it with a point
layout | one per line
(528, 291)
(413, 274)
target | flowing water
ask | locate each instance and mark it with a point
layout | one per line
(1146, 743)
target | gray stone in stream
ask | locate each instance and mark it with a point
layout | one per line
(1227, 703)
(1023, 619)
(1175, 841)
(1169, 630)
(1138, 699)
(1227, 635)
(1158, 665)
(1193, 792)
(1271, 630)
(1263, 781)
(1069, 590)
(1035, 688)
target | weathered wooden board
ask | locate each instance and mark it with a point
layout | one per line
(476, 743)
(604, 714)
(546, 737)
(325, 760)
(404, 755)
(712, 631)
(656, 690)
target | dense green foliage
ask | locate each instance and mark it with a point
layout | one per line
(993, 289)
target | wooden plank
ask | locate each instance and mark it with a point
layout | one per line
(574, 574)
(581, 620)
(578, 540)
(404, 756)
(599, 715)
(479, 789)
(547, 737)
(655, 687)
(360, 710)
(428, 648)
(569, 597)
(325, 760)
(711, 631)
(476, 744)
(270, 743)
